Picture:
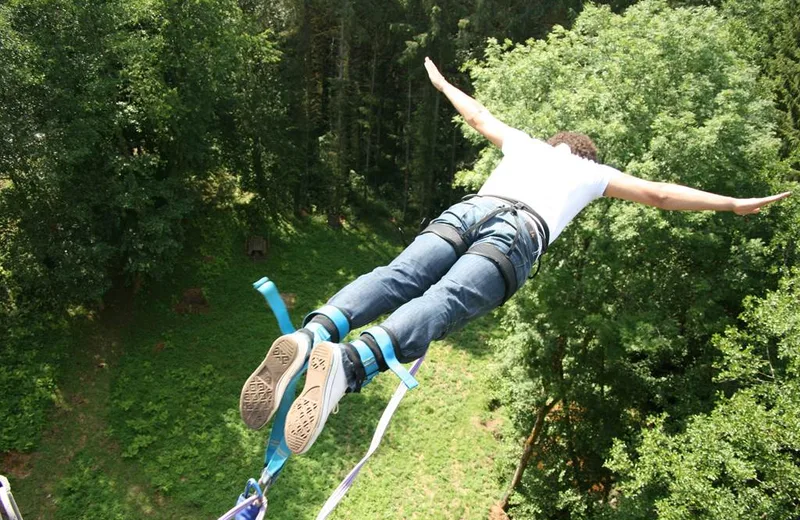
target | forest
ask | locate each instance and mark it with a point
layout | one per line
(650, 370)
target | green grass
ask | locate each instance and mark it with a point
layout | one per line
(155, 433)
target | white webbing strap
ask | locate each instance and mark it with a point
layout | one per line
(383, 424)
(7, 504)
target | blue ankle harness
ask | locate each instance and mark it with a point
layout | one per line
(384, 342)
(368, 360)
(252, 504)
(335, 316)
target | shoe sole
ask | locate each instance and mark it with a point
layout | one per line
(262, 392)
(303, 420)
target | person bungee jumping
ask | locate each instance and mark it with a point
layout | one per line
(469, 260)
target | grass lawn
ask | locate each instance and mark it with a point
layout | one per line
(148, 422)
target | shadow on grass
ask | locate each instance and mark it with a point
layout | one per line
(474, 338)
(175, 397)
(172, 415)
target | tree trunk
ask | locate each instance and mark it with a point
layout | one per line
(431, 170)
(301, 187)
(406, 170)
(340, 177)
(259, 176)
(451, 168)
(527, 451)
(374, 66)
(378, 128)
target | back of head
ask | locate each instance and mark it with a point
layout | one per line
(579, 144)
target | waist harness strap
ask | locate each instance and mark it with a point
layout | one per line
(456, 239)
(544, 229)
(502, 263)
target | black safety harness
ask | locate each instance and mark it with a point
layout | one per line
(536, 227)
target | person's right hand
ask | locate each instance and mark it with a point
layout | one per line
(435, 76)
(748, 206)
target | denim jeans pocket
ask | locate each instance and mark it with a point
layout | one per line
(461, 215)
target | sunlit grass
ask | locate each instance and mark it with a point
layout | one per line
(159, 436)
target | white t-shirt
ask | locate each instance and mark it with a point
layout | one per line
(551, 180)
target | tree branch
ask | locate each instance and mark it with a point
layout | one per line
(527, 451)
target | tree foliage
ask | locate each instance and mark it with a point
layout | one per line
(119, 120)
(740, 460)
(120, 113)
(770, 30)
(617, 327)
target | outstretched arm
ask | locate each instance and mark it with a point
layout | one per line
(676, 197)
(473, 112)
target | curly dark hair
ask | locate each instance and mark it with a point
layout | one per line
(580, 144)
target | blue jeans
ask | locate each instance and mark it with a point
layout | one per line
(431, 290)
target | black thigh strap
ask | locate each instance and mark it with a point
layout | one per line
(503, 264)
(450, 234)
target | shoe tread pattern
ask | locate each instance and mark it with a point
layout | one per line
(306, 411)
(257, 400)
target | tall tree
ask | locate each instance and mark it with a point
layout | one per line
(770, 31)
(130, 111)
(741, 459)
(618, 323)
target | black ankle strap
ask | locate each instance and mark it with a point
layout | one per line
(355, 359)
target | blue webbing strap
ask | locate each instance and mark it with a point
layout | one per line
(385, 343)
(254, 507)
(367, 359)
(267, 288)
(277, 450)
(338, 318)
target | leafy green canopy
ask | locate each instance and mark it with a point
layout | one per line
(120, 115)
(617, 325)
(770, 31)
(741, 460)
(117, 121)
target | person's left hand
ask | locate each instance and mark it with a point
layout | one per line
(748, 206)
(435, 76)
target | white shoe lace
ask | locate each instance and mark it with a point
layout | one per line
(335, 409)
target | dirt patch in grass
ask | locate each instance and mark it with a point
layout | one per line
(491, 425)
(289, 299)
(16, 464)
(193, 301)
(497, 513)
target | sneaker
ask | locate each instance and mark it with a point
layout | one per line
(262, 392)
(326, 383)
